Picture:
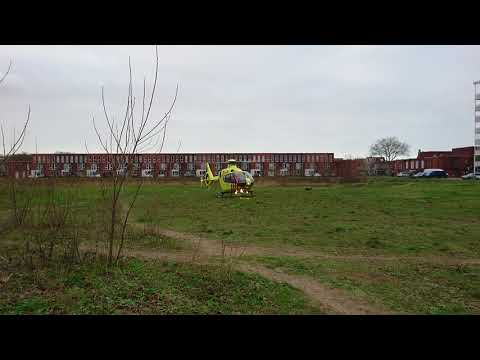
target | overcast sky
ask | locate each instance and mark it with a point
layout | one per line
(249, 98)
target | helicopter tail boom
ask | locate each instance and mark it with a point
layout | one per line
(209, 178)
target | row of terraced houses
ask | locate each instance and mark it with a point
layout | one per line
(170, 165)
(456, 162)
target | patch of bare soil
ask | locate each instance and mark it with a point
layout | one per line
(334, 301)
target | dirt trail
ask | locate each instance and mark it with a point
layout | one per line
(334, 301)
(213, 247)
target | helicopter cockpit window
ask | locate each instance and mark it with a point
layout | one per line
(248, 175)
(228, 178)
(235, 178)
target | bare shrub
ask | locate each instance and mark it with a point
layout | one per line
(122, 143)
(10, 148)
(51, 232)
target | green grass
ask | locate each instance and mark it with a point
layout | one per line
(414, 288)
(439, 217)
(383, 216)
(148, 287)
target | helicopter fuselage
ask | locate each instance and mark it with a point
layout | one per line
(232, 180)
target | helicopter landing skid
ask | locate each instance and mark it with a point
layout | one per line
(233, 195)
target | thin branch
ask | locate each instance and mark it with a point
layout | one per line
(106, 116)
(86, 147)
(144, 121)
(8, 70)
(166, 114)
(3, 143)
(16, 142)
(99, 137)
(127, 215)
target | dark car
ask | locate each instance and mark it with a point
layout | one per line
(434, 173)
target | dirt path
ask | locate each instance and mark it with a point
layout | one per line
(212, 247)
(333, 301)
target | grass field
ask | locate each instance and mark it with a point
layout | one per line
(404, 287)
(382, 216)
(149, 287)
(419, 224)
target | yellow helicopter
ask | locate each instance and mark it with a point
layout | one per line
(232, 180)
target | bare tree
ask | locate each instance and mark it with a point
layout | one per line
(16, 142)
(390, 148)
(10, 148)
(122, 142)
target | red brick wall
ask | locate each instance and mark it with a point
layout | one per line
(349, 168)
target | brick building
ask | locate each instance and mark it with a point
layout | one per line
(167, 165)
(16, 166)
(350, 168)
(456, 162)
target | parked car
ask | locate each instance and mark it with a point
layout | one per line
(435, 173)
(470, 176)
(407, 173)
(419, 174)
